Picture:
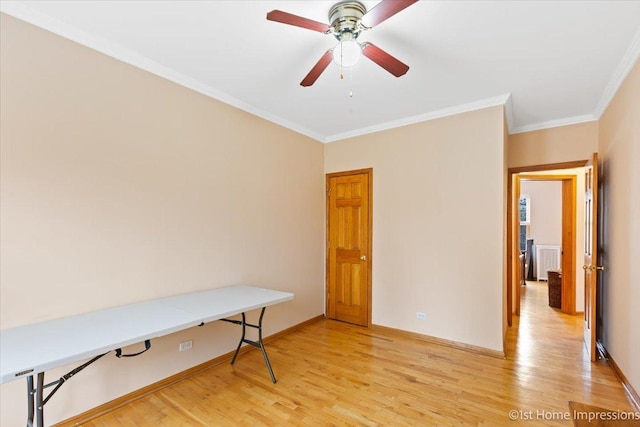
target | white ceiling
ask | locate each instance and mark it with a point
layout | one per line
(550, 62)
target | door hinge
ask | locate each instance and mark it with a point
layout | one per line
(329, 192)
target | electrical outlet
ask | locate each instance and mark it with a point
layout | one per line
(185, 345)
(421, 316)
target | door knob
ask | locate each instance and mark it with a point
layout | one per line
(593, 267)
(363, 257)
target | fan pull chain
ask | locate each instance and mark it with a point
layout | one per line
(341, 61)
(349, 70)
(350, 80)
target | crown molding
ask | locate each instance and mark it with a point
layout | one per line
(21, 11)
(472, 106)
(508, 112)
(555, 123)
(27, 14)
(624, 68)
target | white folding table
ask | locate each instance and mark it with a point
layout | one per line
(31, 350)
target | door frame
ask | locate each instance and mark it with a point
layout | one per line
(369, 173)
(513, 252)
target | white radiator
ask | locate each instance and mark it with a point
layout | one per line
(547, 258)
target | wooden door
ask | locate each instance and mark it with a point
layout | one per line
(590, 266)
(348, 247)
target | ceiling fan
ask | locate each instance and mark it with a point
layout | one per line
(349, 19)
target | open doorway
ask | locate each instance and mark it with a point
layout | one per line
(568, 173)
(551, 234)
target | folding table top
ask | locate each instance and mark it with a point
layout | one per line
(30, 349)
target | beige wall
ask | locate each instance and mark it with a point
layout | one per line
(620, 169)
(555, 145)
(505, 243)
(438, 224)
(119, 186)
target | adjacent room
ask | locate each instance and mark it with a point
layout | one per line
(340, 180)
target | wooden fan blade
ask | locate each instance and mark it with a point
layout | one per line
(384, 60)
(317, 69)
(297, 21)
(384, 10)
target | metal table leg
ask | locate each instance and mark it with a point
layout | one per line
(30, 396)
(36, 409)
(40, 400)
(258, 344)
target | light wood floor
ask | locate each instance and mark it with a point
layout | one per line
(332, 373)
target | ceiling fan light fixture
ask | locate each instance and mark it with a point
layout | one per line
(349, 18)
(347, 53)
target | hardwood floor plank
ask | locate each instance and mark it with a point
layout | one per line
(336, 374)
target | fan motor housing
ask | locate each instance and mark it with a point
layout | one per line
(345, 18)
